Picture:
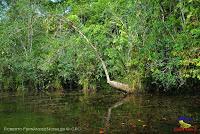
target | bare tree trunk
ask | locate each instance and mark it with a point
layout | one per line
(115, 84)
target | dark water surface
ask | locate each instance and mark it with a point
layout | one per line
(103, 112)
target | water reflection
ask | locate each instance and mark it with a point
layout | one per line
(108, 113)
(115, 105)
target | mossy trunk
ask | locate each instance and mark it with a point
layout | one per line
(85, 84)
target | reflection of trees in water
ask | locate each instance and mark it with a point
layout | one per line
(147, 114)
(119, 103)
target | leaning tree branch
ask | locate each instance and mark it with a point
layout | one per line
(115, 84)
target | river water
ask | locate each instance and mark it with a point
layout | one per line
(98, 113)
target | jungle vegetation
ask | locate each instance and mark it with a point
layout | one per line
(144, 43)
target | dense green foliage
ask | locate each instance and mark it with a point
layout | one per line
(141, 41)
